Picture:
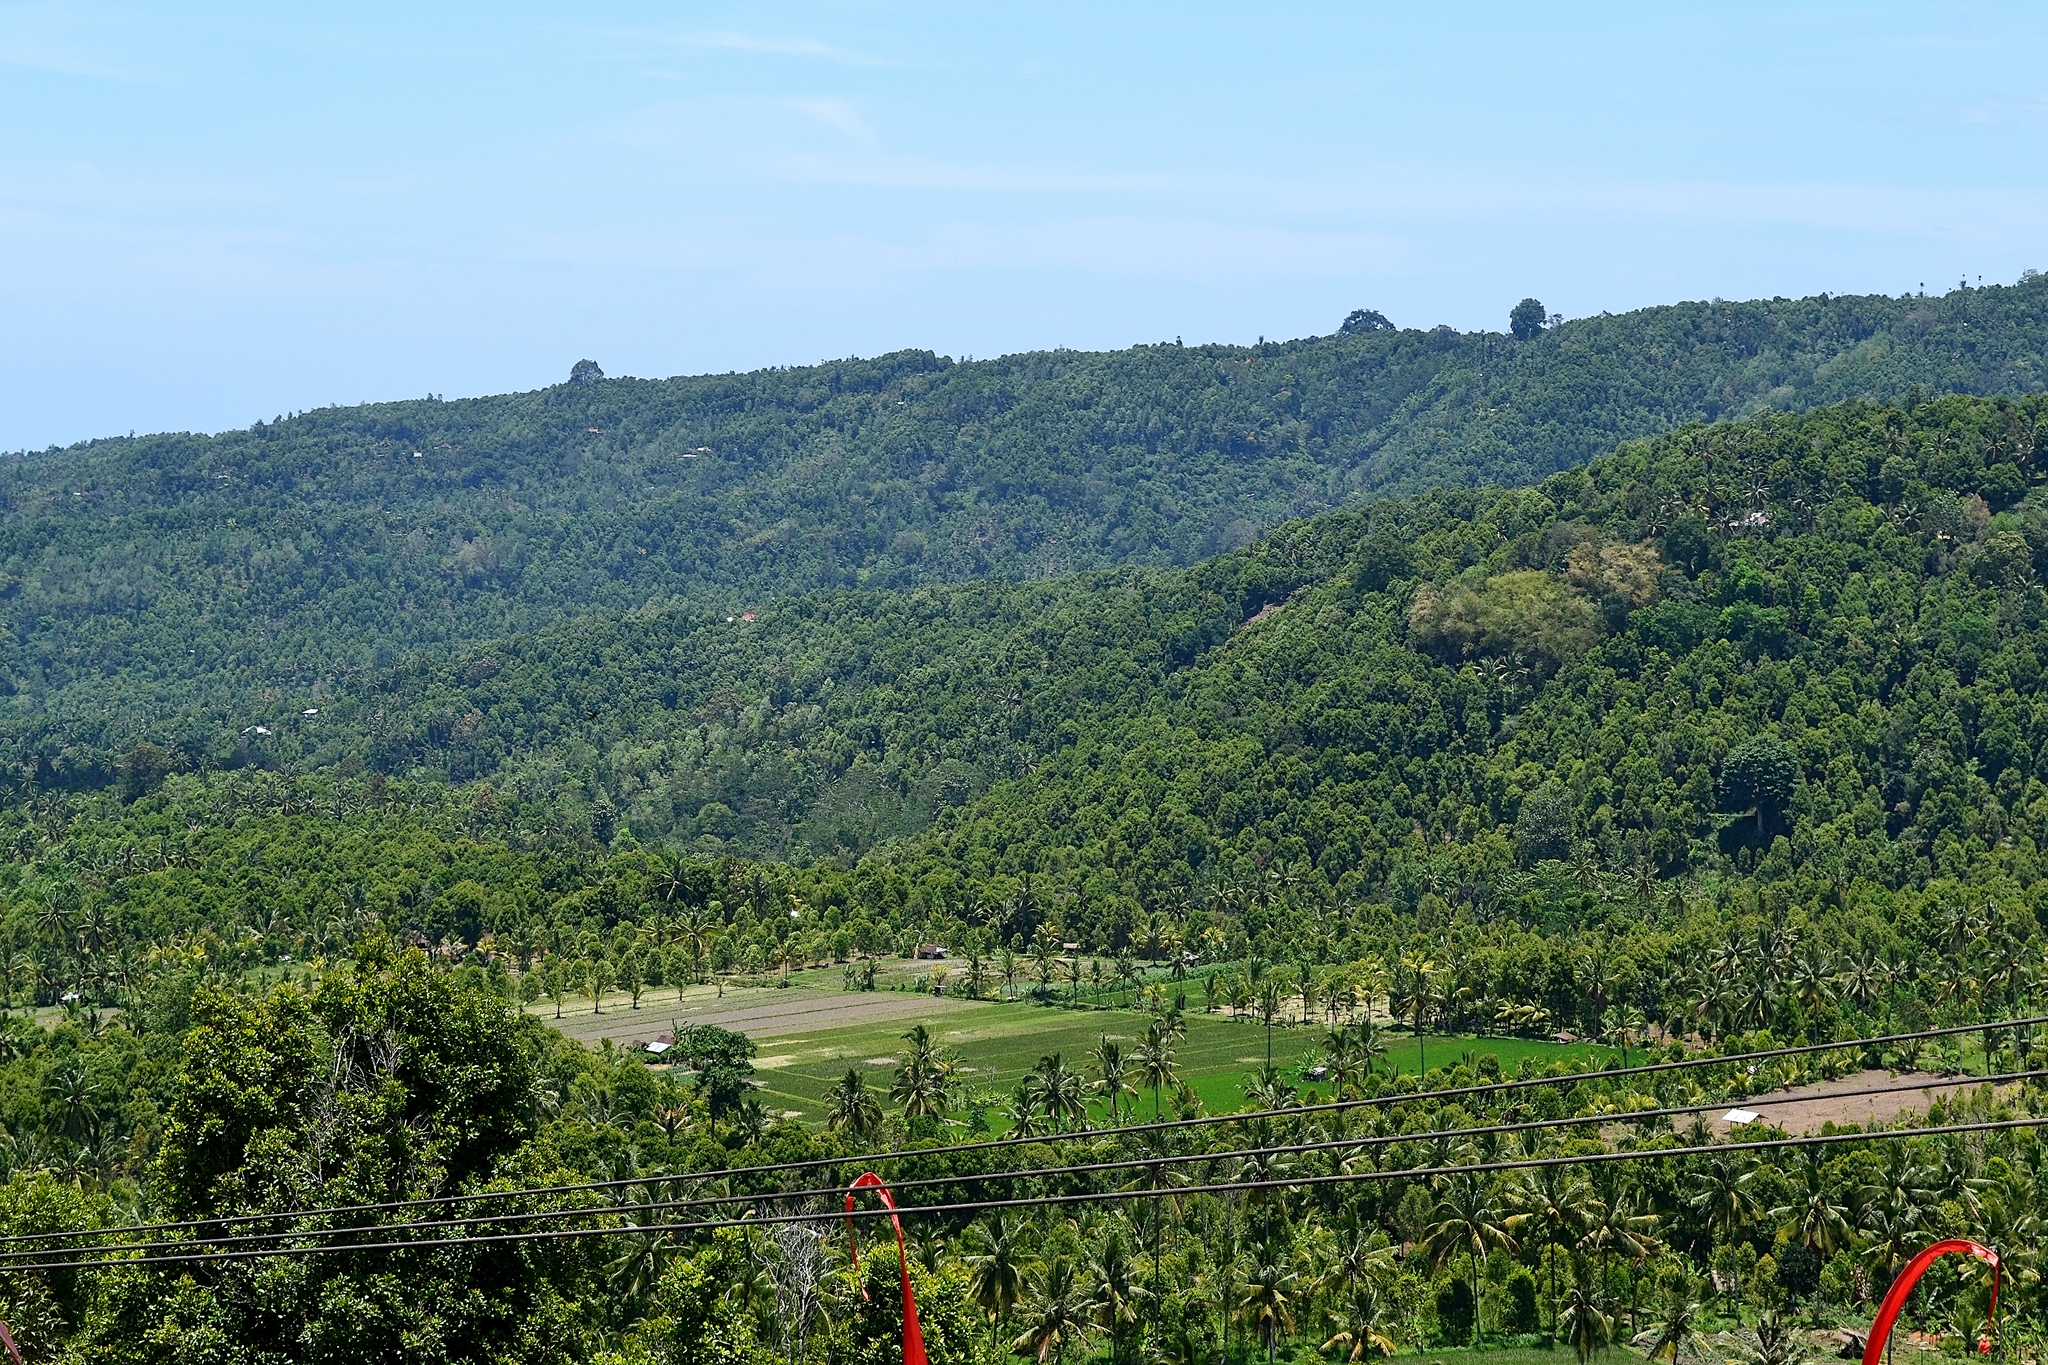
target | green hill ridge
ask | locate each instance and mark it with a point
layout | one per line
(1799, 652)
(183, 589)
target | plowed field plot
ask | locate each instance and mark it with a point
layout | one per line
(1803, 1109)
(762, 1014)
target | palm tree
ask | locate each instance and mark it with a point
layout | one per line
(1413, 997)
(1270, 996)
(1864, 979)
(1267, 1303)
(637, 1268)
(853, 1108)
(1114, 1292)
(1370, 976)
(1361, 1325)
(1127, 974)
(1467, 1219)
(1776, 1342)
(1112, 1073)
(1723, 1192)
(1557, 1200)
(996, 1270)
(1616, 1222)
(1043, 950)
(1814, 1216)
(54, 923)
(1583, 1324)
(69, 1089)
(1675, 1323)
(1891, 1237)
(1369, 1044)
(1006, 967)
(1157, 1066)
(1056, 1313)
(1595, 984)
(924, 1077)
(1058, 1093)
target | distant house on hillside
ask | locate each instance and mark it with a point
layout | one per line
(931, 952)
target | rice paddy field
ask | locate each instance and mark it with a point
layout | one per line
(811, 1031)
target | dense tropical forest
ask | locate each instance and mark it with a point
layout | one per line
(1726, 739)
(190, 588)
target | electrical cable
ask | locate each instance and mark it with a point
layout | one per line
(978, 1206)
(1097, 1134)
(1147, 1162)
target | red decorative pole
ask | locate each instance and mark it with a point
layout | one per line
(1895, 1297)
(913, 1338)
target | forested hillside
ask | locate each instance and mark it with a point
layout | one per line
(1856, 586)
(1803, 648)
(183, 588)
(1730, 737)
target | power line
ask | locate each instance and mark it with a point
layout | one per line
(1098, 1134)
(1147, 1162)
(1042, 1201)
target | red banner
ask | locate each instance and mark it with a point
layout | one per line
(913, 1338)
(1895, 1297)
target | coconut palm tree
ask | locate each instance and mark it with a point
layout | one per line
(1675, 1323)
(1413, 998)
(69, 1091)
(1157, 1064)
(1056, 1313)
(1618, 1222)
(1557, 1201)
(1467, 1218)
(1060, 1093)
(1583, 1324)
(852, 1107)
(1271, 994)
(637, 1267)
(1777, 1343)
(1267, 1301)
(1724, 1193)
(923, 1084)
(1815, 1215)
(1127, 973)
(995, 1269)
(1115, 1297)
(1027, 1117)
(1361, 1321)
(1112, 1076)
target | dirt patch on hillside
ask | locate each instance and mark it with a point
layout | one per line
(1803, 1109)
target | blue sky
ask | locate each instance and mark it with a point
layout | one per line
(211, 214)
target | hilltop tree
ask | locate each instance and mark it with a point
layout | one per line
(1758, 773)
(1362, 320)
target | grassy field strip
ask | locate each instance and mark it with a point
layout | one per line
(998, 1043)
(811, 1031)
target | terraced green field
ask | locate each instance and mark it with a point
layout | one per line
(810, 1031)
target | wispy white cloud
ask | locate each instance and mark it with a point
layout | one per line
(1998, 113)
(30, 56)
(784, 47)
(835, 113)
